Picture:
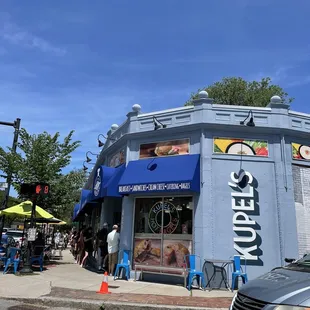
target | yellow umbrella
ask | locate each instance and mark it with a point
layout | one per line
(59, 223)
(24, 209)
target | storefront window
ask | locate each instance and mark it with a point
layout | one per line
(163, 230)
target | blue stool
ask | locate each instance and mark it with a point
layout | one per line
(238, 271)
(123, 264)
(190, 261)
(12, 260)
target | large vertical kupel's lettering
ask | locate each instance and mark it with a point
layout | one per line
(243, 203)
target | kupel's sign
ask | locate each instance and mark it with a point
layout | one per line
(243, 203)
(156, 187)
(158, 222)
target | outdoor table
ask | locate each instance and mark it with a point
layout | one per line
(215, 271)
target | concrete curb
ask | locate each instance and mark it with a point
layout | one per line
(99, 305)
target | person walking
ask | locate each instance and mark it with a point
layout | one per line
(58, 237)
(113, 245)
(102, 236)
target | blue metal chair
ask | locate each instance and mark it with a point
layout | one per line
(238, 271)
(3, 255)
(12, 259)
(192, 273)
(123, 263)
(3, 259)
(38, 258)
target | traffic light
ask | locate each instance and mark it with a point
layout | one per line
(41, 189)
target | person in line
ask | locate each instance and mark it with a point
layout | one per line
(113, 245)
(66, 239)
(102, 236)
(80, 246)
(88, 245)
(73, 243)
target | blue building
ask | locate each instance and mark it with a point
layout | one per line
(203, 179)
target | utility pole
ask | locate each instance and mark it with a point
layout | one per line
(16, 126)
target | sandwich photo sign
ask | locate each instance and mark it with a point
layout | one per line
(164, 148)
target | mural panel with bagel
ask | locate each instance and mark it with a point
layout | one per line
(300, 151)
(240, 147)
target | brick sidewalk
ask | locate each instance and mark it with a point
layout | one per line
(142, 299)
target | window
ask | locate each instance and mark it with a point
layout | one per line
(163, 230)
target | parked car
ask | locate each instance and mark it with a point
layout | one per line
(283, 288)
(4, 230)
(16, 234)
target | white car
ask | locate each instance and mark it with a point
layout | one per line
(16, 234)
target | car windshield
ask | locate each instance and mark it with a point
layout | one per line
(303, 262)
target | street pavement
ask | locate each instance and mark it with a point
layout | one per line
(66, 284)
(16, 305)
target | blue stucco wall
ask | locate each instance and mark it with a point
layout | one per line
(213, 234)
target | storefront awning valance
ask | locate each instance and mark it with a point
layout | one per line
(86, 196)
(162, 174)
(75, 211)
(106, 182)
(111, 188)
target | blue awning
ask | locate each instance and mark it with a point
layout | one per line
(162, 174)
(106, 182)
(111, 188)
(76, 210)
(85, 198)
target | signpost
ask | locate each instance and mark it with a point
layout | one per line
(33, 190)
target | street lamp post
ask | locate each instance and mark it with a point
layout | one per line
(16, 126)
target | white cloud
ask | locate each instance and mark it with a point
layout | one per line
(14, 34)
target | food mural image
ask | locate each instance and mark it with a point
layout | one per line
(240, 147)
(165, 148)
(117, 159)
(148, 251)
(301, 151)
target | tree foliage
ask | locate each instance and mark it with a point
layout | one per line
(42, 158)
(11, 202)
(237, 91)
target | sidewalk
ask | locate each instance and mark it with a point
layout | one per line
(67, 282)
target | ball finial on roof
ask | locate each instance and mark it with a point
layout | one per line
(136, 108)
(276, 99)
(114, 126)
(203, 94)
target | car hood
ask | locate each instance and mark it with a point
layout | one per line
(280, 286)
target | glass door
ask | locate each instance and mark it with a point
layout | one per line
(163, 230)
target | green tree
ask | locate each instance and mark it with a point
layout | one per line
(42, 158)
(237, 91)
(11, 202)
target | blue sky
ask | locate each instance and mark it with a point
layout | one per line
(82, 64)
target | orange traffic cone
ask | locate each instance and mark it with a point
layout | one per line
(104, 289)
